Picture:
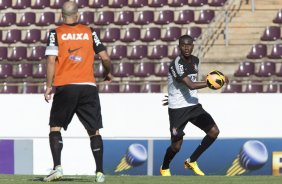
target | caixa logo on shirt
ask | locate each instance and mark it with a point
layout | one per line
(76, 58)
(75, 36)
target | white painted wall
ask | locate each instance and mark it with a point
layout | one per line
(134, 116)
(143, 116)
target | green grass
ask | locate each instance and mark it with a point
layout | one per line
(30, 179)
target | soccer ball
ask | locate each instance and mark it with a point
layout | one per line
(215, 79)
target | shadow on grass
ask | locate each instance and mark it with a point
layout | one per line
(66, 179)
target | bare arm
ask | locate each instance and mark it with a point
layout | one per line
(50, 75)
(106, 64)
(194, 85)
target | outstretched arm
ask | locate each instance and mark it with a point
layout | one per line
(194, 85)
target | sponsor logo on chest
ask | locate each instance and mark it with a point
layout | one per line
(75, 36)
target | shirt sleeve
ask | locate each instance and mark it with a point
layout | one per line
(176, 69)
(97, 44)
(52, 44)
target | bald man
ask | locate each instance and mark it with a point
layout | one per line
(70, 58)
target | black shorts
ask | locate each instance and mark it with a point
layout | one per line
(178, 119)
(82, 100)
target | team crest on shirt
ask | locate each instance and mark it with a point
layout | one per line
(75, 36)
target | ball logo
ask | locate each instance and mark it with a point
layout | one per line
(75, 36)
(253, 156)
(135, 156)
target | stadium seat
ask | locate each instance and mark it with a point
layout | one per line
(197, 3)
(150, 34)
(137, 52)
(279, 72)
(5, 70)
(86, 17)
(276, 52)
(137, 3)
(109, 88)
(170, 33)
(161, 69)
(164, 17)
(124, 17)
(123, 69)
(11, 36)
(271, 33)
(157, 3)
(26, 19)
(150, 87)
(144, 69)
(118, 52)
(21, 4)
(195, 32)
(184, 17)
(130, 88)
(217, 3)
(82, 3)
(157, 51)
(57, 4)
(205, 17)
(245, 69)
(258, 51)
(29, 88)
(117, 3)
(3, 53)
(144, 17)
(44, 36)
(271, 87)
(4, 4)
(130, 34)
(98, 69)
(31, 36)
(177, 3)
(110, 35)
(36, 53)
(104, 18)
(254, 87)
(266, 69)
(17, 53)
(232, 87)
(98, 3)
(278, 18)
(39, 71)
(8, 19)
(45, 19)
(8, 88)
(40, 4)
(22, 70)
(173, 51)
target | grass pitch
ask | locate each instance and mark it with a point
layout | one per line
(31, 179)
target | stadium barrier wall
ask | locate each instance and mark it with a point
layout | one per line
(140, 122)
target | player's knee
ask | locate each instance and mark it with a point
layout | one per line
(96, 142)
(176, 148)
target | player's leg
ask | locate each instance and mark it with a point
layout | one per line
(205, 122)
(89, 113)
(171, 151)
(178, 122)
(61, 115)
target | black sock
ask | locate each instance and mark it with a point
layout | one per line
(206, 142)
(169, 155)
(56, 145)
(97, 150)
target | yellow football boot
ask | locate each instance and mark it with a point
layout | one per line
(165, 172)
(194, 167)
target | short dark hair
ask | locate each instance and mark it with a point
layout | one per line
(185, 37)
